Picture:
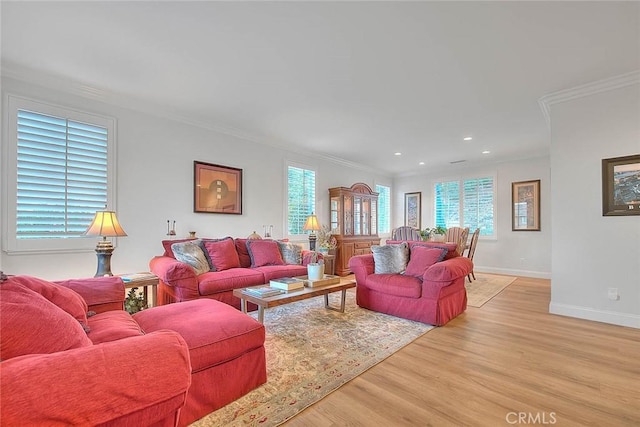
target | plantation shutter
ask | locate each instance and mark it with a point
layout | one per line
(301, 186)
(61, 175)
(478, 205)
(447, 204)
(384, 208)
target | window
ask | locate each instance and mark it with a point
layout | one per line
(466, 203)
(384, 208)
(301, 190)
(61, 162)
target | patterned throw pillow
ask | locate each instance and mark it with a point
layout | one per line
(291, 253)
(390, 259)
(191, 253)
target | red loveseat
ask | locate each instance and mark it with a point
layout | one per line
(435, 295)
(234, 264)
(164, 366)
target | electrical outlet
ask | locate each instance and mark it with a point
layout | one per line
(613, 294)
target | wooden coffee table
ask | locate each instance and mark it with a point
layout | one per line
(293, 296)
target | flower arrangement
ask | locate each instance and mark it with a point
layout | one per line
(134, 302)
(325, 240)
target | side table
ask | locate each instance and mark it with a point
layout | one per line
(329, 264)
(142, 280)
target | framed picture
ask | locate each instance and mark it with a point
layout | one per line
(621, 186)
(525, 199)
(217, 189)
(412, 209)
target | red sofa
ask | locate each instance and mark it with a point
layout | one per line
(435, 296)
(237, 269)
(164, 366)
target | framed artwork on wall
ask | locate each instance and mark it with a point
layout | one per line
(217, 189)
(621, 186)
(525, 199)
(412, 209)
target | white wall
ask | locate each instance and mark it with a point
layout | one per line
(592, 253)
(522, 253)
(155, 183)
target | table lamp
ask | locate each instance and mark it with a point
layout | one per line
(313, 225)
(104, 224)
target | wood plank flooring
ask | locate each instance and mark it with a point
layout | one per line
(509, 362)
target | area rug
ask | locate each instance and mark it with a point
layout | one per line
(485, 287)
(312, 351)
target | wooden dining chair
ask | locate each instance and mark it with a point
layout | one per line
(458, 235)
(472, 251)
(406, 233)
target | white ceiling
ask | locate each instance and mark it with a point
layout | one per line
(353, 80)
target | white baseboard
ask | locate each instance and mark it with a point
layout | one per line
(615, 318)
(513, 272)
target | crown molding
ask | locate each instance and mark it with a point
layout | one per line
(592, 88)
(124, 101)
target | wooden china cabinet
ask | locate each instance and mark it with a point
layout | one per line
(354, 222)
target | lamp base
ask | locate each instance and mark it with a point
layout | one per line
(104, 250)
(312, 242)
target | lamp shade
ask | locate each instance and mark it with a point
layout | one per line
(312, 223)
(105, 224)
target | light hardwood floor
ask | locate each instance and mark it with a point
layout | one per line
(509, 362)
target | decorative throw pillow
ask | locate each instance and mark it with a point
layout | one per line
(291, 253)
(222, 254)
(166, 244)
(264, 252)
(243, 253)
(32, 324)
(191, 253)
(390, 259)
(423, 257)
(63, 297)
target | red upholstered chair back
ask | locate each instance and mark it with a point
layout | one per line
(406, 233)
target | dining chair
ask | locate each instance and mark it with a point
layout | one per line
(458, 235)
(406, 233)
(472, 251)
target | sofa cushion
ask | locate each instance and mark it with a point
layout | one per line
(291, 253)
(395, 284)
(63, 297)
(166, 244)
(423, 257)
(390, 258)
(31, 324)
(277, 271)
(264, 252)
(222, 254)
(234, 278)
(191, 253)
(215, 332)
(243, 253)
(112, 326)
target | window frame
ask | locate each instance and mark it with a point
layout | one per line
(288, 164)
(461, 179)
(10, 243)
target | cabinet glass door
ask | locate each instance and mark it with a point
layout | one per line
(335, 215)
(365, 216)
(348, 216)
(374, 217)
(357, 216)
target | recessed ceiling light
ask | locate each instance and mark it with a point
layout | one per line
(398, 153)
(486, 152)
(467, 138)
(421, 163)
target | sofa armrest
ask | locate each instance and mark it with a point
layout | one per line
(97, 384)
(179, 275)
(100, 293)
(362, 266)
(445, 273)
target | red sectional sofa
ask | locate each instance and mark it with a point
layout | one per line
(238, 265)
(434, 295)
(164, 366)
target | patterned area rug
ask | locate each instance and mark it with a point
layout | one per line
(485, 287)
(312, 351)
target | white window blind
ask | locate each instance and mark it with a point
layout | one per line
(62, 175)
(466, 203)
(60, 169)
(301, 190)
(384, 208)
